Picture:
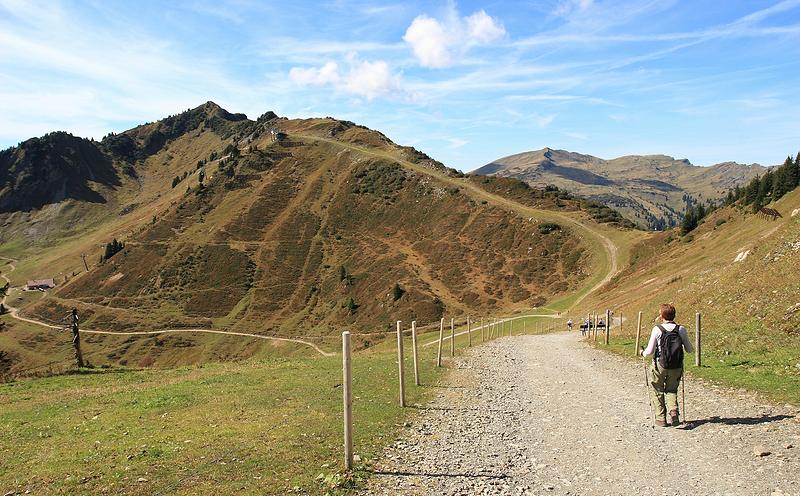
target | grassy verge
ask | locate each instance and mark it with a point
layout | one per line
(263, 426)
(752, 362)
(268, 426)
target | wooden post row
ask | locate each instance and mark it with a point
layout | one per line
(441, 338)
(402, 375)
(414, 351)
(347, 393)
(697, 328)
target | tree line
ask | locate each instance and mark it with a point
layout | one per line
(767, 188)
(760, 191)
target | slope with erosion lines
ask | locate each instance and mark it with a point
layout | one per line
(300, 227)
(607, 264)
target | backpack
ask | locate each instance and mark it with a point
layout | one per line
(670, 349)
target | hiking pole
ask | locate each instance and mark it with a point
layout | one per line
(683, 396)
(647, 389)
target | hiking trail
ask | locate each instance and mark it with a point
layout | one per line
(14, 314)
(550, 415)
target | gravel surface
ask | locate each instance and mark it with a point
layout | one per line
(550, 415)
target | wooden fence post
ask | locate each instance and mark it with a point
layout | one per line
(452, 338)
(511, 328)
(589, 326)
(608, 324)
(400, 364)
(441, 338)
(347, 392)
(469, 332)
(483, 331)
(638, 334)
(76, 339)
(414, 351)
(697, 351)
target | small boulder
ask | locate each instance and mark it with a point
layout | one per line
(761, 451)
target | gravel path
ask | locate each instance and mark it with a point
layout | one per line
(549, 415)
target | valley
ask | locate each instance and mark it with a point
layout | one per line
(238, 259)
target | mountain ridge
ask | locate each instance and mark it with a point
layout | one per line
(650, 190)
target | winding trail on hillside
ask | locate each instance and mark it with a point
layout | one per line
(14, 313)
(610, 266)
(548, 414)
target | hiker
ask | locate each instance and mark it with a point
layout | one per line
(668, 341)
(569, 324)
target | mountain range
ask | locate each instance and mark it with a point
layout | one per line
(650, 190)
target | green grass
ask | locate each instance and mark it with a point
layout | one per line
(753, 361)
(254, 427)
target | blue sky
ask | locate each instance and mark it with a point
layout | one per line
(466, 82)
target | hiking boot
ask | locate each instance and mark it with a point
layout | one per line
(661, 423)
(674, 418)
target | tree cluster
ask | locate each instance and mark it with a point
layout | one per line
(694, 214)
(112, 249)
(770, 187)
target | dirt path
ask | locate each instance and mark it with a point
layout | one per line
(549, 415)
(14, 313)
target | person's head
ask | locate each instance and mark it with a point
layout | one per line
(667, 312)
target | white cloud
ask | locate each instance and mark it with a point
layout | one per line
(369, 79)
(438, 43)
(429, 41)
(327, 74)
(484, 29)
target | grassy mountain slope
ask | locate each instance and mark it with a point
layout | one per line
(737, 268)
(301, 237)
(648, 190)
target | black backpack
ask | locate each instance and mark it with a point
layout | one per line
(670, 349)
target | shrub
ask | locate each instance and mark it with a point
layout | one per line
(397, 292)
(720, 222)
(549, 227)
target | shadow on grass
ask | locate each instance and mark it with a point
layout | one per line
(764, 419)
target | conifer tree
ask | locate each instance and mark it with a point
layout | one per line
(689, 221)
(765, 188)
(751, 191)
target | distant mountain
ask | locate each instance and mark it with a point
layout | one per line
(650, 190)
(53, 168)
